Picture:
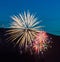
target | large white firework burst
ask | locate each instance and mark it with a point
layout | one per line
(25, 27)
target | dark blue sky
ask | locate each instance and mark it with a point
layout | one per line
(46, 10)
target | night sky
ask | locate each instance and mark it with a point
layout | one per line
(46, 10)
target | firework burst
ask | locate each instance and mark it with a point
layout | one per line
(26, 33)
(41, 42)
(24, 29)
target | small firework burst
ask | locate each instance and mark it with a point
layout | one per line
(40, 43)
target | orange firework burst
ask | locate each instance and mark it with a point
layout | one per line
(41, 42)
